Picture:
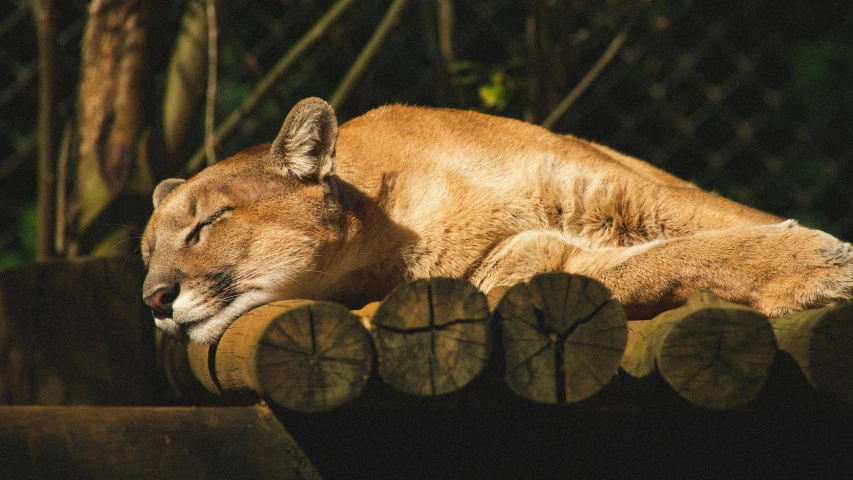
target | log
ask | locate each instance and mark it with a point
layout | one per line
(148, 442)
(713, 353)
(188, 368)
(563, 337)
(821, 342)
(300, 355)
(432, 336)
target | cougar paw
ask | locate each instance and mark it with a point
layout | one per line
(820, 273)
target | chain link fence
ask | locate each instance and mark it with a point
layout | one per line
(753, 101)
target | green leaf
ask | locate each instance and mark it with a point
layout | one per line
(28, 233)
(497, 92)
(13, 258)
(24, 252)
(814, 61)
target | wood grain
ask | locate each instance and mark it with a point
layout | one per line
(563, 337)
(301, 355)
(432, 336)
(713, 353)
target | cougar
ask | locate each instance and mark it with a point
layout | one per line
(408, 192)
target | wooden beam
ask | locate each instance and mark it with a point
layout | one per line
(148, 442)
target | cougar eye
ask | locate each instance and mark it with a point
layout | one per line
(195, 234)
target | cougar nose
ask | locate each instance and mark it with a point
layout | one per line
(161, 300)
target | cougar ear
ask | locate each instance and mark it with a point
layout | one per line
(305, 146)
(164, 188)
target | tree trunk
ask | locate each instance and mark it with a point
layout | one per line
(186, 81)
(43, 13)
(112, 97)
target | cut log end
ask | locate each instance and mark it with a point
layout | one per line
(713, 353)
(563, 337)
(832, 354)
(821, 342)
(314, 358)
(432, 336)
(718, 358)
(306, 356)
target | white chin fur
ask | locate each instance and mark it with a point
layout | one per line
(210, 329)
(169, 326)
(206, 331)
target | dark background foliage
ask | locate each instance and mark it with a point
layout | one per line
(753, 99)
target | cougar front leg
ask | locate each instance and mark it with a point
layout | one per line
(774, 268)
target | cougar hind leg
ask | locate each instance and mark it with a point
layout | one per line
(774, 268)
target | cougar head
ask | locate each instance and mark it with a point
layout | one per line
(246, 231)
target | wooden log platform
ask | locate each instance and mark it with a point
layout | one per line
(550, 337)
(147, 442)
(432, 336)
(711, 352)
(821, 342)
(563, 337)
(560, 340)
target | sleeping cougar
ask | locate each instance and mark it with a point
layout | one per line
(408, 192)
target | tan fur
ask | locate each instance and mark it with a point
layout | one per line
(406, 192)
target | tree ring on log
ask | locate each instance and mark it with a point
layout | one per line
(718, 354)
(432, 336)
(563, 337)
(303, 356)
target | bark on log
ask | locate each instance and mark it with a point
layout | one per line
(821, 342)
(563, 337)
(148, 442)
(188, 369)
(713, 353)
(432, 336)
